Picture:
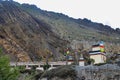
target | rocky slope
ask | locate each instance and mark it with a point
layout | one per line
(104, 72)
(83, 30)
(70, 28)
(23, 36)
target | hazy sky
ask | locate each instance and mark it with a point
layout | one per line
(103, 11)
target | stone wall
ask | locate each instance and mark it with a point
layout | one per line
(104, 72)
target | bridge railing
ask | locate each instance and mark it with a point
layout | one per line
(36, 63)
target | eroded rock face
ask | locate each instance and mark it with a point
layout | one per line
(25, 37)
(14, 49)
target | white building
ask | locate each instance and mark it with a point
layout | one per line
(98, 53)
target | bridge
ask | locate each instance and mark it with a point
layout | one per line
(39, 65)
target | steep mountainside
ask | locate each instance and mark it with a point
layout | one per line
(83, 30)
(70, 29)
(23, 37)
(28, 33)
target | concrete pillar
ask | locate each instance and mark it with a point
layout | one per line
(27, 67)
(51, 67)
(39, 68)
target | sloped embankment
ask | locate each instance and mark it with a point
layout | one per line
(104, 72)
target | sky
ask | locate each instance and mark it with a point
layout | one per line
(101, 11)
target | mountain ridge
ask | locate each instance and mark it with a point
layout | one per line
(59, 20)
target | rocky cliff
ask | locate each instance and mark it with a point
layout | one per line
(23, 37)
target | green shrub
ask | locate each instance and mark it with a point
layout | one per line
(46, 66)
(7, 72)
